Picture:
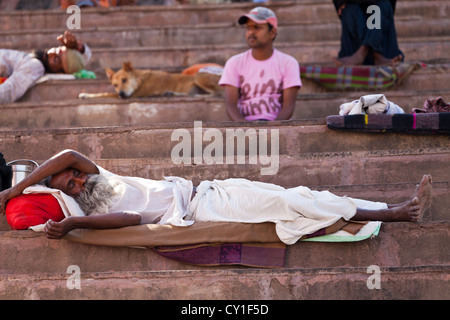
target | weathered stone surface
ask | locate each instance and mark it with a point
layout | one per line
(134, 138)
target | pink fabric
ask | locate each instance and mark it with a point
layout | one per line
(261, 83)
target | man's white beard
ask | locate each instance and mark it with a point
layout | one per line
(97, 195)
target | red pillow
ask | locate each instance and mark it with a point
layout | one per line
(29, 210)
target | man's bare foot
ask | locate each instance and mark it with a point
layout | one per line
(355, 59)
(423, 193)
(380, 60)
(408, 211)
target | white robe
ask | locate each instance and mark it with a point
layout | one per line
(296, 212)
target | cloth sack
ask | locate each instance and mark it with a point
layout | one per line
(433, 106)
(27, 210)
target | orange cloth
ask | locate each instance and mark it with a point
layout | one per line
(196, 67)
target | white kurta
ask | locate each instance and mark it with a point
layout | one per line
(296, 212)
(157, 201)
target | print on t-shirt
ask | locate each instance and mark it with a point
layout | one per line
(262, 99)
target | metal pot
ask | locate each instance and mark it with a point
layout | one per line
(21, 171)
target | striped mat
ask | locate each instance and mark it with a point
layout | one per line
(358, 77)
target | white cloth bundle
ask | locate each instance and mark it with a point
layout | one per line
(370, 104)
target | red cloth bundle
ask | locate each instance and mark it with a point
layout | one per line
(29, 210)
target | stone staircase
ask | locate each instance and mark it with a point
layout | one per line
(133, 137)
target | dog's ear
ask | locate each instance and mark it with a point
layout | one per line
(109, 73)
(127, 66)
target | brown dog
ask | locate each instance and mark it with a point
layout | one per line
(133, 83)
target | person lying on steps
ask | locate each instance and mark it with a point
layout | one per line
(21, 70)
(114, 201)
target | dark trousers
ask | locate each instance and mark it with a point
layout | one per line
(355, 32)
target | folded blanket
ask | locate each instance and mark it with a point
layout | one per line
(219, 243)
(365, 231)
(359, 77)
(264, 255)
(151, 235)
(261, 255)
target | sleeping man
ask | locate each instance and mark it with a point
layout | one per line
(112, 201)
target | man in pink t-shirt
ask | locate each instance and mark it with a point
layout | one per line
(261, 83)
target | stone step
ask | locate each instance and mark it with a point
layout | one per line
(206, 34)
(168, 55)
(409, 283)
(297, 138)
(411, 244)
(319, 10)
(421, 85)
(113, 112)
(415, 49)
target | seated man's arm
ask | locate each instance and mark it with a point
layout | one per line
(289, 98)
(59, 162)
(231, 103)
(56, 230)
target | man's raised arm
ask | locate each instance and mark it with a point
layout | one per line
(59, 162)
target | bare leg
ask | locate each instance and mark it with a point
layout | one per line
(355, 59)
(410, 210)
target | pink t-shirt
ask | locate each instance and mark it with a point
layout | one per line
(261, 83)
